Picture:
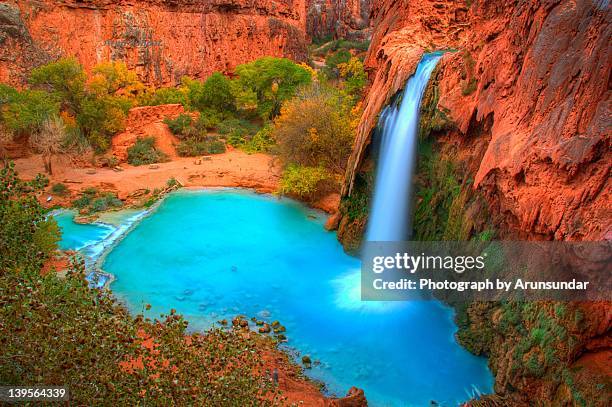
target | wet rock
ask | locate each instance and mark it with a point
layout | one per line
(275, 324)
(223, 322)
(265, 329)
(306, 361)
(259, 322)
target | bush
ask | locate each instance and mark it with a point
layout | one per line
(59, 189)
(92, 200)
(354, 76)
(163, 96)
(27, 237)
(236, 138)
(209, 119)
(180, 125)
(192, 147)
(144, 152)
(341, 57)
(261, 142)
(316, 128)
(305, 182)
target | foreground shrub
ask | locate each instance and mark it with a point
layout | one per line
(307, 183)
(143, 152)
(193, 147)
(27, 237)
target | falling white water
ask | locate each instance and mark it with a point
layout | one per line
(391, 213)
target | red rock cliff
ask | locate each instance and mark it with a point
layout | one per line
(339, 18)
(162, 40)
(540, 71)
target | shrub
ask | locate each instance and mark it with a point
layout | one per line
(261, 142)
(27, 237)
(316, 128)
(354, 76)
(192, 147)
(208, 119)
(340, 57)
(180, 125)
(105, 202)
(59, 189)
(305, 182)
(236, 138)
(92, 200)
(163, 96)
(236, 125)
(144, 152)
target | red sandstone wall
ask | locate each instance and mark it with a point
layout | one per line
(162, 40)
(339, 18)
(541, 73)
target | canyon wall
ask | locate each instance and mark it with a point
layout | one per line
(339, 19)
(161, 40)
(520, 106)
(541, 72)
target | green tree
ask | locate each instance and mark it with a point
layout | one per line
(24, 112)
(264, 84)
(354, 76)
(215, 93)
(65, 79)
(101, 117)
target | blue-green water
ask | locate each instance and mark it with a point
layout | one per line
(215, 254)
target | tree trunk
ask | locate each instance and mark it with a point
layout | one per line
(47, 161)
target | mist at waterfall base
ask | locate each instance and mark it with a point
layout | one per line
(391, 213)
(214, 254)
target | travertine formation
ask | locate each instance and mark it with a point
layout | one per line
(161, 40)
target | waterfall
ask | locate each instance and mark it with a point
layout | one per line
(391, 212)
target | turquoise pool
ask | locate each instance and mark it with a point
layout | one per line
(217, 253)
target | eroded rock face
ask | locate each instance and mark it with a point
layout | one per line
(161, 40)
(339, 19)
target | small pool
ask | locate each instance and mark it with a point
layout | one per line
(214, 254)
